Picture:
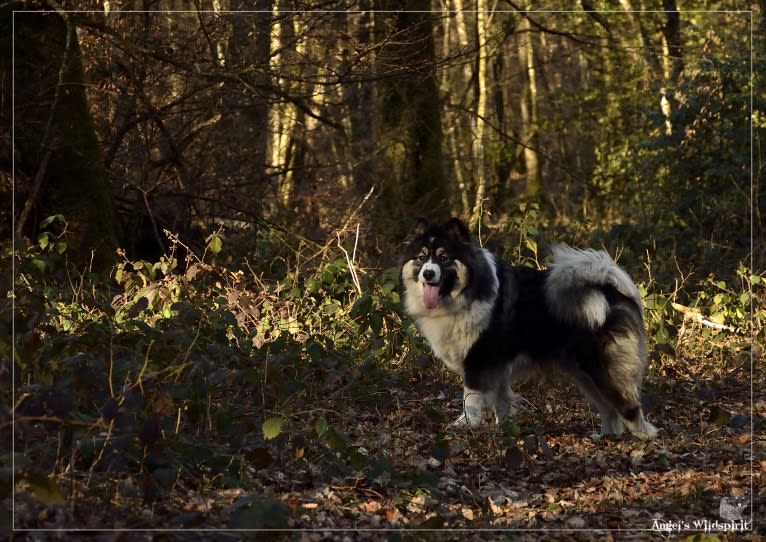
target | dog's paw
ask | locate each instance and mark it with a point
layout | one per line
(471, 417)
(646, 432)
(462, 421)
(642, 429)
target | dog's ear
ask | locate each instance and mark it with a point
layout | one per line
(421, 226)
(457, 230)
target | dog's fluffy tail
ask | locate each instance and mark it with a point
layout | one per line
(576, 283)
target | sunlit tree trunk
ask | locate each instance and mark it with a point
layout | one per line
(653, 67)
(454, 80)
(479, 121)
(655, 70)
(528, 110)
(672, 60)
(283, 115)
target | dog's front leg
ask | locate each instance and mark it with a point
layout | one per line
(475, 408)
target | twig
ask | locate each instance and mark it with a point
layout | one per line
(174, 240)
(358, 208)
(38, 181)
(696, 316)
(350, 260)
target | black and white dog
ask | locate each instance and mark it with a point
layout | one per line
(495, 324)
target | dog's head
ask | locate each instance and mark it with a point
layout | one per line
(435, 266)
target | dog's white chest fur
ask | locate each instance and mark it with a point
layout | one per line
(451, 331)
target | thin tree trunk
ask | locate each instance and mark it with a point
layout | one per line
(482, 52)
(453, 81)
(250, 47)
(360, 99)
(672, 60)
(528, 109)
(283, 116)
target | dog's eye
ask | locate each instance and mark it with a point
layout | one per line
(422, 258)
(443, 258)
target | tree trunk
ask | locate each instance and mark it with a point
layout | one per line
(250, 47)
(528, 111)
(673, 49)
(283, 115)
(454, 81)
(672, 60)
(482, 51)
(55, 138)
(410, 110)
(359, 95)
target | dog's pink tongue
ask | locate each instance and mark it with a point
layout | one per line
(430, 295)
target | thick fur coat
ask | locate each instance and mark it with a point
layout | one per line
(496, 324)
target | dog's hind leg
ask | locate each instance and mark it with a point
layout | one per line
(624, 357)
(611, 421)
(638, 425)
(619, 407)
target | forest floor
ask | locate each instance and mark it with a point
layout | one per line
(411, 477)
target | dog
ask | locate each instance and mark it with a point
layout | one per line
(495, 324)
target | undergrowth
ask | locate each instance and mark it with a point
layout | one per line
(178, 373)
(193, 374)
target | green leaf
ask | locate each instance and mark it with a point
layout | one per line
(259, 512)
(214, 242)
(362, 306)
(388, 287)
(434, 522)
(357, 460)
(43, 240)
(718, 416)
(165, 476)
(331, 308)
(321, 426)
(336, 440)
(45, 489)
(702, 537)
(272, 427)
(51, 219)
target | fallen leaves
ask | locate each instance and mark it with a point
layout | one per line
(401, 469)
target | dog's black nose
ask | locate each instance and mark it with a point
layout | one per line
(429, 274)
